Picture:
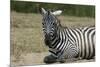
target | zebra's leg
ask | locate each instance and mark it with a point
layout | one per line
(72, 60)
(91, 58)
(68, 60)
(62, 61)
(50, 59)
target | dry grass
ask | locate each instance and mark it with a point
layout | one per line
(27, 35)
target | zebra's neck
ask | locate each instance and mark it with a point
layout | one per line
(59, 38)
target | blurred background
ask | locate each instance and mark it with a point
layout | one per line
(69, 9)
(27, 44)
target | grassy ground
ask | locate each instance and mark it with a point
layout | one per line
(27, 36)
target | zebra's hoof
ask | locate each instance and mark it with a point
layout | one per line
(62, 61)
(50, 59)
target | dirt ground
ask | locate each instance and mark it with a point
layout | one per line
(37, 59)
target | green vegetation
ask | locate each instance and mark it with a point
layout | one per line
(68, 9)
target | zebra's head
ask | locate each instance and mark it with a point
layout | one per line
(50, 22)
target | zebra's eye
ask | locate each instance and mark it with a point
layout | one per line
(53, 23)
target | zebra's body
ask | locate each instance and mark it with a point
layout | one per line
(67, 43)
(82, 45)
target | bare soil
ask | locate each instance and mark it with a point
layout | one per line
(37, 59)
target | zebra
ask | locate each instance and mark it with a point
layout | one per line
(66, 43)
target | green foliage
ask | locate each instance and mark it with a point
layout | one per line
(68, 9)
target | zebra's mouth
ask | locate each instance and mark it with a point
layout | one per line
(49, 36)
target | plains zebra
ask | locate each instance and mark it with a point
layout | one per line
(66, 43)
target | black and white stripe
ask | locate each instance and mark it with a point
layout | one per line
(67, 42)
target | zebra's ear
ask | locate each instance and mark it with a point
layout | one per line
(58, 12)
(43, 11)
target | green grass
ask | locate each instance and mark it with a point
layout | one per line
(27, 34)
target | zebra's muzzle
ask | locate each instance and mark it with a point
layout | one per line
(47, 36)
